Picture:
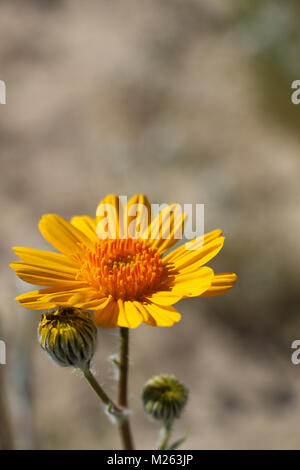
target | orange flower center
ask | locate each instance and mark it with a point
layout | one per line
(124, 268)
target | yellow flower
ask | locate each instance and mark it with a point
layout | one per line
(124, 280)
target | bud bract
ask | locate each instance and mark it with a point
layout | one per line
(164, 397)
(69, 336)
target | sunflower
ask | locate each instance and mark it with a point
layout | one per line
(124, 280)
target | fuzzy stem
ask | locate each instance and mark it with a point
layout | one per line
(165, 434)
(124, 425)
(100, 392)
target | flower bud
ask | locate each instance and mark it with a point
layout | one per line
(164, 397)
(69, 336)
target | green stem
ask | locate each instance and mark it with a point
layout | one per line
(100, 392)
(124, 425)
(164, 435)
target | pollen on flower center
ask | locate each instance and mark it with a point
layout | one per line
(123, 268)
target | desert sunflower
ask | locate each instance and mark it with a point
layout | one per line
(125, 281)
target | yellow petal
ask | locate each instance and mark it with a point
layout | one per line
(140, 306)
(161, 316)
(221, 283)
(62, 234)
(138, 213)
(108, 215)
(87, 225)
(166, 229)
(43, 276)
(175, 235)
(93, 302)
(47, 298)
(129, 316)
(46, 259)
(192, 285)
(39, 294)
(197, 243)
(41, 305)
(201, 256)
(164, 298)
(81, 298)
(108, 316)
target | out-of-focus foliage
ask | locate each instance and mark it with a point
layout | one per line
(270, 34)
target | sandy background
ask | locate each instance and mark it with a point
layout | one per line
(185, 101)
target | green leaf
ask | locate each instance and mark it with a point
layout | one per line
(115, 360)
(178, 443)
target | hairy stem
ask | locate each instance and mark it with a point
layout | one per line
(100, 392)
(164, 436)
(124, 425)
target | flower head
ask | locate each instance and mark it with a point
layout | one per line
(69, 336)
(115, 264)
(164, 397)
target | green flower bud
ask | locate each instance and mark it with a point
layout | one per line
(164, 397)
(69, 336)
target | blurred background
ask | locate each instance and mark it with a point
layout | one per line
(186, 101)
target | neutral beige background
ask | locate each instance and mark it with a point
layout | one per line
(186, 101)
